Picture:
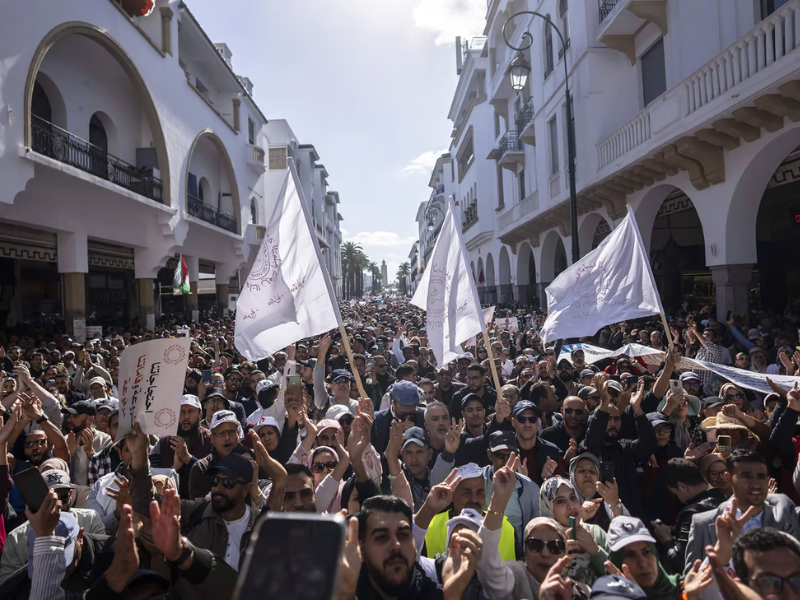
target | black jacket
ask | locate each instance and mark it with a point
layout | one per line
(419, 588)
(624, 454)
(489, 400)
(556, 434)
(673, 555)
(382, 425)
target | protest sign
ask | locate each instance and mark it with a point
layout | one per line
(150, 385)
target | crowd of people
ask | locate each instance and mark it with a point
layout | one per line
(516, 471)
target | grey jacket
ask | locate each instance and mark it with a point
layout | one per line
(779, 513)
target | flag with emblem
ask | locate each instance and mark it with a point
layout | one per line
(180, 279)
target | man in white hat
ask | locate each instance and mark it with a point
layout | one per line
(226, 435)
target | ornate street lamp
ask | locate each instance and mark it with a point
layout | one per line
(518, 72)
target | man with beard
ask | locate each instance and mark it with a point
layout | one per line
(445, 386)
(83, 440)
(226, 433)
(462, 366)
(221, 525)
(105, 408)
(64, 386)
(233, 393)
(383, 377)
(251, 403)
(602, 441)
(107, 460)
(578, 359)
(476, 384)
(572, 427)
(190, 444)
(192, 381)
(566, 373)
(437, 424)
(298, 496)
(37, 365)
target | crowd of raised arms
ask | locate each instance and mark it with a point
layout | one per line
(557, 479)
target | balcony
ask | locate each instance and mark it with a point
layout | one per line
(511, 151)
(209, 214)
(255, 158)
(56, 143)
(555, 184)
(439, 191)
(516, 215)
(524, 123)
(718, 96)
(621, 20)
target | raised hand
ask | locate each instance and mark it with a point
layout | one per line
(589, 509)
(453, 438)
(504, 483)
(609, 491)
(729, 528)
(572, 451)
(695, 453)
(554, 586)
(8, 428)
(441, 495)
(636, 399)
(166, 525)
(549, 468)
(792, 396)
(697, 580)
(730, 588)
(351, 561)
(43, 521)
(182, 456)
(502, 410)
(122, 495)
(126, 556)
(584, 542)
(366, 407)
(463, 554)
(395, 439)
(611, 569)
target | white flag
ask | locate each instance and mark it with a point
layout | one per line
(610, 284)
(447, 293)
(288, 295)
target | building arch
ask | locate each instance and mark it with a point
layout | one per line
(46, 91)
(505, 294)
(526, 274)
(113, 47)
(481, 273)
(227, 166)
(490, 279)
(592, 230)
(554, 256)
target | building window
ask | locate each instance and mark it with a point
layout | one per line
(563, 6)
(552, 127)
(466, 156)
(253, 212)
(770, 6)
(521, 183)
(654, 72)
(548, 48)
(251, 132)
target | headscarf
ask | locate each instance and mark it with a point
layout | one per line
(580, 569)
(666, 587)
(729, 386)
(573, 465)
(319, 449)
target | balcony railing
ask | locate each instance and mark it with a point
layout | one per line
(555, 184)
(525, 115)
(770, 41)
(209, 214)
(606, 8)
(56, 143)
(439, 189)
(519, 211)
(510, 142)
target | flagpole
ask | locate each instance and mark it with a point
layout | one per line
(667, 331)
(356, 374)
(489, 352)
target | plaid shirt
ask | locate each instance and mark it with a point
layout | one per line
(708, 352)
(103, 463)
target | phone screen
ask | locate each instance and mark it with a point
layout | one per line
(207, 376)
(32, 487)
(292, 557)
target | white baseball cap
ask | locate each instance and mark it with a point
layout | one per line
(191, 400)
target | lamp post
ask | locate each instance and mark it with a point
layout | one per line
(518, 72)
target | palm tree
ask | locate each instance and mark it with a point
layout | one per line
(375, 271)
(403, 272)
(353, 263)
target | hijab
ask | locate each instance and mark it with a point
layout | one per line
(666, 587)
(601, 518)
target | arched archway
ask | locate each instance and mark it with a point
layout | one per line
(472, 268)
(253, 211)
(490, 295)
(526, 274)
(119, 54)
(47, 103)
(506, 295)
(593, 230)
(208, 158)
(554, 257)
(677, 253)
(481, 277)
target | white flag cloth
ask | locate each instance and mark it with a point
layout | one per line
(610, 284)
(150, 385)
(447, 293)
(288, 295)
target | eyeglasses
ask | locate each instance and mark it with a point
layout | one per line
(578, 411)
(235, 379)
(346, 421)
(531, 419)
(36, 443)
(406, 417)
(510, 396)
(770, 585)
(227, 482)
(594, 397)
(536, 545)
(226, 433)
(717, 474)
(319, 467)
(663, 429)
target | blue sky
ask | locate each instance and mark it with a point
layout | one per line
(368, 82)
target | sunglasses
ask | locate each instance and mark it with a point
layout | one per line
(346, 421)
(577, 411)
(773, 585)
(663, 429)
(536, 545)
(319, 467)
(510, 396)
(594, 397)
(36, 443)
(227, 482)
(235, 379)
(734, 396)
(532, 419)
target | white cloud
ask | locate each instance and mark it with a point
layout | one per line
(423, 164)
(381, 238)
(451, 18)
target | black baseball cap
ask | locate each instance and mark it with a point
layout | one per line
(233, 465)
(415, 435)
(82, 407)
(341, 373)
(468, 398)
(503, 440)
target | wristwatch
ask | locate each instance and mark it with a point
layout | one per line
(185, 554)
(42, 419)
(617, 506)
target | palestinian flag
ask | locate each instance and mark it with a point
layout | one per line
(180, 280)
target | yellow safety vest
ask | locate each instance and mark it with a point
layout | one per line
(436, 537)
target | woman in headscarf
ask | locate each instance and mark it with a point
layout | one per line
(559, 501)
(599, 500)
(634, 556)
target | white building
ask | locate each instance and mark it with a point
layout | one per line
(686, 111)
(125, 141)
